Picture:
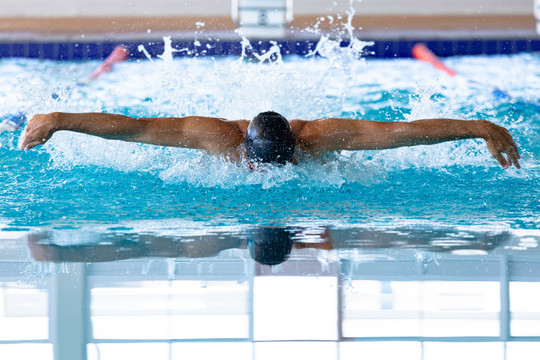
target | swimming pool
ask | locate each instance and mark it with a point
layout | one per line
(388, 214)
(77, 180)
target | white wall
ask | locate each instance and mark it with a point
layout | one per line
(67, 8)
(62, 8)
(421, 7)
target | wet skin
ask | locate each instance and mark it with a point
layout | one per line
(225, 138)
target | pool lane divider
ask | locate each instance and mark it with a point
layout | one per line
(421, 52)
(120, 53)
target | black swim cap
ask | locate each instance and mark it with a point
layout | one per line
(269, 139)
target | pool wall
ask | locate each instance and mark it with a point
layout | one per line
(381, 48)
(79, 30)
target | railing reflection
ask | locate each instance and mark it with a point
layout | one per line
(264, 288)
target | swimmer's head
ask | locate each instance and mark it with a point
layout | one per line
(269, 139)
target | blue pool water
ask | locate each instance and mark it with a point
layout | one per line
(82, 182)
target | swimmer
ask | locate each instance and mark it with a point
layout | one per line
(270, 138)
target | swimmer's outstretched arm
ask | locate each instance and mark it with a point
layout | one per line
(347, 134)
(196, 132)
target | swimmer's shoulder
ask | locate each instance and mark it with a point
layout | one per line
(242, 125)
(297, 125)
(305, 133)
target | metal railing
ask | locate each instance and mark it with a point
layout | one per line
(262, 18)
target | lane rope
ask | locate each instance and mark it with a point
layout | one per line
(421, 52)
(13, 122)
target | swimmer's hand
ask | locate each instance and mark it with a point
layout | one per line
(39, 130)
(499, 142)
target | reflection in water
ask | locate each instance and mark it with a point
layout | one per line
(270, 246)
(100, 247)
(266, 245)
(108, 294)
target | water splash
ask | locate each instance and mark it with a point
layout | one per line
(268, 83)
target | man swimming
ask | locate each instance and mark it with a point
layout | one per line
(270, 138)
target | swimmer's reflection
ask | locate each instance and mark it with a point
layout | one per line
(269, 245)
(266, 245)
